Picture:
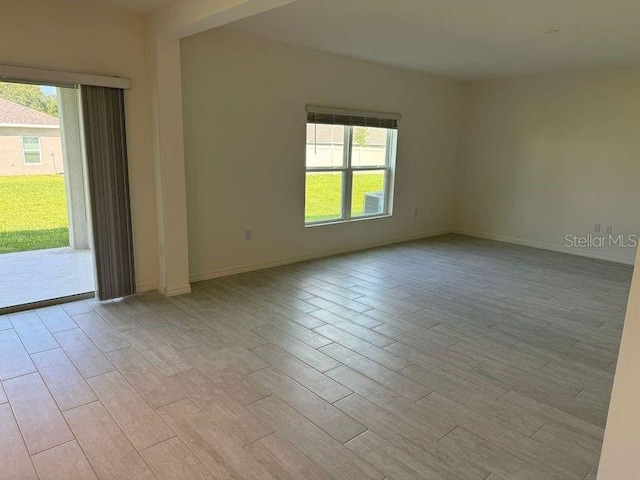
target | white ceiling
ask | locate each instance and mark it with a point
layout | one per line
(465, 39)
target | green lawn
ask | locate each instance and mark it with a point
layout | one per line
(33, 213)
(33, 209)
(324, 194)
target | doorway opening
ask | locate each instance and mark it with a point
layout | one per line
(45, 235)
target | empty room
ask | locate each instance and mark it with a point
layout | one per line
(320, 239)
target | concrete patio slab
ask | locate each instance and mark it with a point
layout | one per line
(27, 277)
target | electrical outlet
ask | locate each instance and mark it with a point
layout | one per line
(248, 235)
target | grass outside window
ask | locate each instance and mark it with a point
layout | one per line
(324, 194)
(33, 213)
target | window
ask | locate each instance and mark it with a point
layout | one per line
(31, 150)
(350, 163)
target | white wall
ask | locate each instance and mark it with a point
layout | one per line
(170, 23)
(620, 459)
(244, 125)
(88, 38)
(550, 155)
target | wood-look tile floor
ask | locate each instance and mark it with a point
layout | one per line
(450, 358)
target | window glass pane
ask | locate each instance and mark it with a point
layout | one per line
(31, 157)
(323, 196)
(368, 193)
(325, 145)
(369, 147)
(31, 143)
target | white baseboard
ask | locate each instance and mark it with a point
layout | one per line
(198, 277)
(545, 246)
(173, 291)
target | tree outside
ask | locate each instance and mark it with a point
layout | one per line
(361, 136)
(361, 139)
(30, 96)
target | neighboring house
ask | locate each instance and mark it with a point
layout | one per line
(30, 142)
(324, 146)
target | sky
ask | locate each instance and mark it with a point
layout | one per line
(48, 90)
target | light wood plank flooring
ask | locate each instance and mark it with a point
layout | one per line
(450, 358)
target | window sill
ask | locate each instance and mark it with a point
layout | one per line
(350, 220)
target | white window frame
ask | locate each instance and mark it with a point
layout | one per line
(347, 169)
(24, 152)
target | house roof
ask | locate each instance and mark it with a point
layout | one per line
(14, 114)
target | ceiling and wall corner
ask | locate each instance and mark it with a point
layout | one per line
(466, 40)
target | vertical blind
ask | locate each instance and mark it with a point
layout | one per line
(107, 169)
